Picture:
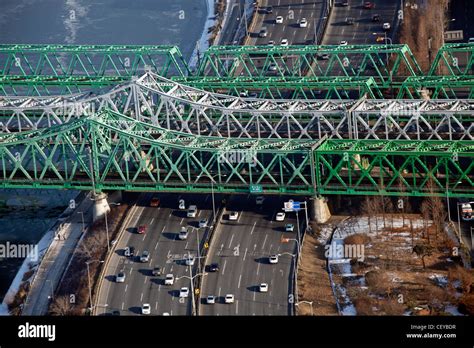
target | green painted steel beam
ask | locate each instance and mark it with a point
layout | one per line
(455, 59)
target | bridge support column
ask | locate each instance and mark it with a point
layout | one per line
(101, 206)
(320, 210)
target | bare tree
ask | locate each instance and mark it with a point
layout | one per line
(423, 251)
(61, 306)
(366, 210)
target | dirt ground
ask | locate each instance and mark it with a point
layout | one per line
(421, 23)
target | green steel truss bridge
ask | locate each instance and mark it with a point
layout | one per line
(298, 72)
(110, 151)
(175, 106)
(172, 128)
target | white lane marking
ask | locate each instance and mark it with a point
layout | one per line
(123, 305)
(152, 221)
(159, 287)
(271, 247)
(169, 254)
(264, 241)
(223, 268)
(231, 239)
(240, 278)
(186, 246)
(156, 245)
(253, 228)
(141, 297)
(236, 306)
(200, 211)
(219, 293)
(144, 236)
(171, 269)
(163, 229)
(254, 294)
(181, 222)
(150, 262)
(156, 305)
(171, 312)
(254, 246)
(258, 268)
(245, 254)
(130, 273)
(144, 282)
(240, 215)
(126, 287)
(171, 213)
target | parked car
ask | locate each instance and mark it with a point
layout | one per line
(233, 216)
(280, 216)
(145, 256)
(155, 202)
(120, 277)
(169, 279)
(229, 298)
(141, 229)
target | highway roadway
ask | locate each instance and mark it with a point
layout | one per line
(361, 32)
(166, 251)
(241, 248)
(292, 11)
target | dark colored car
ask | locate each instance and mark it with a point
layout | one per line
(155, 202)
(344, 3)
(141, 229)
(156, 271)
(369, 5)
(270, 9)
(376, 18)
(132, 251)
(213, 267)
(116, 313)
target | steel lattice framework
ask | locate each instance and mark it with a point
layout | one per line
(112, 151)
(174, 106)
(454, 60)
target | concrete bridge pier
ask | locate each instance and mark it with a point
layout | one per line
(101, 206)
(319, 209)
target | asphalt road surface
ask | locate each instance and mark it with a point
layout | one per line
(241, 248)
(292, 12)
(361, 32)
(166, 251)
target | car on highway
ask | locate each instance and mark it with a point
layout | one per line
(386, 26)
(184, 292)
(471, 40)
(280, 216)
(349, 20)
(279, 20)
(323, 56)
(259, 200)
(190, 260)
(270, 9)
(169, 279)
(213, 267)
(271, 43)
(344, 3)
(146, 308)
(183, 234)
(284, 42)
(263, 32)
(155, 202)
(211, 299)
(233, 216)
(303, 23)
(263, 287)
(120, 277)
(192, 211)
(202, 223)
(141, 229)
(273, 67)
(369, 5)
(343, 43)
(273, 259)
(376, 18)
(156, 271)
(145, 256)
(115, 313)
(253, 95)
(289, 227)
(229, 298)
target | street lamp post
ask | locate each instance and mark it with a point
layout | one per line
(295, 274)
(89, 280)
(107, 226)
(191, 278)
(51, 288)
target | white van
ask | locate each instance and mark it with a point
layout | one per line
(192, 211)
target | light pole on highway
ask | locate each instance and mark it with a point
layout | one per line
(198, 244)
(51, 287)
(307, 302)
(385, 38)
(212, 177)
(286, 240)
(107, 226)
(89, 281)
(191, 278)
(295, 274)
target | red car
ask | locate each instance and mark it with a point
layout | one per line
(141, 229)
(155, 202)
(368, 5)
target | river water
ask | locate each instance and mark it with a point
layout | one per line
(145, 22)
